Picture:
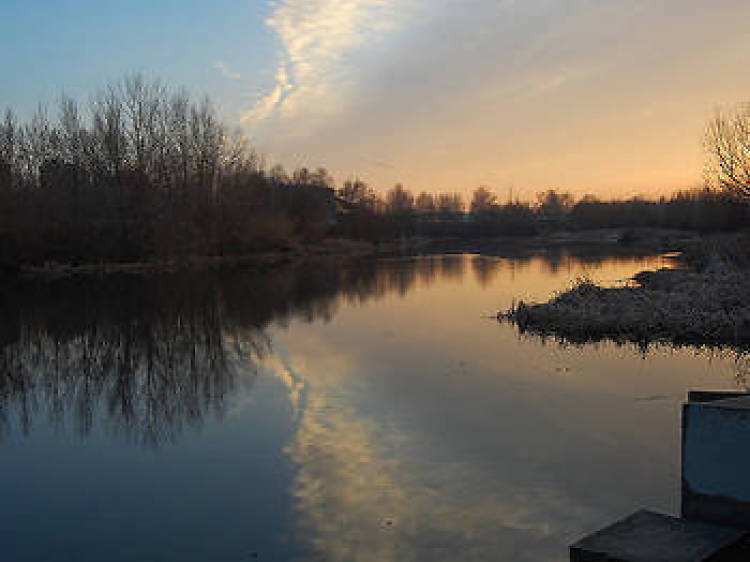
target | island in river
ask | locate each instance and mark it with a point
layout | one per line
(704, 300)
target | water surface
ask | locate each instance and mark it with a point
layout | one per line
(374, 411)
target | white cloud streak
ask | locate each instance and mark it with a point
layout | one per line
(227, 72)
(318, 40)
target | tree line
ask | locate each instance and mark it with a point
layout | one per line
(146, 172)
(702, 210)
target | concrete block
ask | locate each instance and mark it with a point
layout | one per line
(646, 536)
(716, 460)
(712, 395)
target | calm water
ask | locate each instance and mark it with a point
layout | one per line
(318, 412)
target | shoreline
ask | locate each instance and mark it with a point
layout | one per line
(331, 249)
(616, 241)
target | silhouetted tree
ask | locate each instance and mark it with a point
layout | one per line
(425, 203)
(553, 204)
(728, 146)
(399, 201)
(482, 201)
(449, 204)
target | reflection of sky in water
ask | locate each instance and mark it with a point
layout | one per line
(428, 432)
(391, 418)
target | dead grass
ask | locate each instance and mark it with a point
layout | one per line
(680, 306)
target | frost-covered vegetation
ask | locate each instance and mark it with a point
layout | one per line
(706, 302)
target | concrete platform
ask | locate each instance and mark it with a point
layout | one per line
(699, 396)
(646, 536)
(716, 457)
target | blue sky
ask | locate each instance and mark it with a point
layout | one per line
(606, 96)
(78, 46)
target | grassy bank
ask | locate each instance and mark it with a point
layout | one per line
(328, 249)
(587, 245)
(705, 302)
(604, 241)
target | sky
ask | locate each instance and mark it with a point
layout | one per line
(609, 97)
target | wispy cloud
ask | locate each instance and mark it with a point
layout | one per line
(319, 39)
(265, 106)
(222, 67)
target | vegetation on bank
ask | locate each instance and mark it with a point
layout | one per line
(706, 302)
(147, 174)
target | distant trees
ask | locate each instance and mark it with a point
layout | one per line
(553, 204)
(728, 146)
(703, 210)
(399, 201)
(482, 201)
(449, 204)
(366, 215)
(424, 204)
(356, 193)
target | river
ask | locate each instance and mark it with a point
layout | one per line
(323, 411)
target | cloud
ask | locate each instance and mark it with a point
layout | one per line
(222, 67)
(319, 41)
(458, 93)
(265, 106)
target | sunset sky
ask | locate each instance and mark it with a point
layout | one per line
(591, 96)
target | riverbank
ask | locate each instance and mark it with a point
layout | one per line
(588, 244)
(705, 304)
(605, 241)
(330, 248)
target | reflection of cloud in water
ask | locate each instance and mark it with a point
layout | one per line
(345, 493)
(363, 493)
(294, 385)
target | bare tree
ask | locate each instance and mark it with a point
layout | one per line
(353, 192)
(554, 204)
(71, 132)
(109, 131)
(179, 141)
(482, 200)
(278, 174)
(449, 204)
(399, 201)
(38, 144)
(425, 203)
(207, 134)
(728, 146)
(8, 142)
(142, 103)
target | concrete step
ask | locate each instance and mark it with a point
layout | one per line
(646, 536)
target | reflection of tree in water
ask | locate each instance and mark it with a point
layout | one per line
(735, 357)
(149, 357)
(485, 269)
(375, 279)
(566, 258)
